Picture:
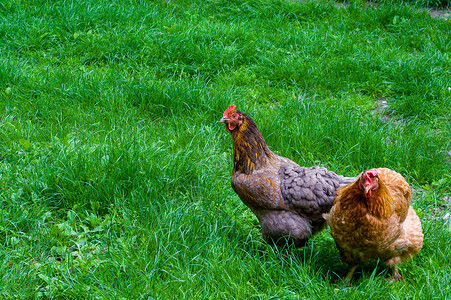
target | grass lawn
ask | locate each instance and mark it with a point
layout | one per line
(115, 173)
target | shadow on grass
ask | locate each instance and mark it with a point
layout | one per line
(319, 257)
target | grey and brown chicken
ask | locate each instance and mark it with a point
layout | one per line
(287, 199)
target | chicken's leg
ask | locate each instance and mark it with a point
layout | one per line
(392, 263)
(348, 278)
(396, 275)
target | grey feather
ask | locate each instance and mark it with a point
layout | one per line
(311, 188)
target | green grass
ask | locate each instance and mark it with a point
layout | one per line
(115, 174)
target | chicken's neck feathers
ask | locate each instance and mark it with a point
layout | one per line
(381, 204)
(250, 151)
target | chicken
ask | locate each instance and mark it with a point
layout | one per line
(287, 199)
(372, 219)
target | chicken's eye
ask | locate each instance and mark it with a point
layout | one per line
(234, 116)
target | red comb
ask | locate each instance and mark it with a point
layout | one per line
(228, 110)
(369, 174)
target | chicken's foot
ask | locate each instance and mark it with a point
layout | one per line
(396, 275)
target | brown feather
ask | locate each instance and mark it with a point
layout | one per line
(249, 147)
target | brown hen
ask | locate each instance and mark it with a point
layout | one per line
(372, 219)
(287, 199)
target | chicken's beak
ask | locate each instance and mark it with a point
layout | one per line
(225, 121)
(367, 191)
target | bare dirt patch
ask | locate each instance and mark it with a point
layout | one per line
(440, 13)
